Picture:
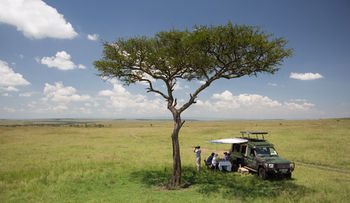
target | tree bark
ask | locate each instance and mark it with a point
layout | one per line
(176, 174)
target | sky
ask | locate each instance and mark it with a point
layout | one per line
(47, 50)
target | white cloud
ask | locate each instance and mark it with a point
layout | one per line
(120, 100)
(5, 94)
(35, 19)
(252, 104)
(147, 77)
(305, 76)
(93, 37)
(61, 94)
(81, 66)
(60, 107)
(85, 110)
(201, 82)
(61, 61)
(226, 100)
(25, 94)
(9, 79)
(9, 89)
(300, 107)
(178, 86)
(106, 93)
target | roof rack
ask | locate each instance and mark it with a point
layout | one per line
(254, 133)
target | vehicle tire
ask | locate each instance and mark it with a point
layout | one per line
(262, 173)
(288, 176)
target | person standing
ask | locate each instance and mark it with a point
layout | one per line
(198, 151)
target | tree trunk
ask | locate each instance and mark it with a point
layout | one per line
(176, 175)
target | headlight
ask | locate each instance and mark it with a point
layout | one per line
(292, 165)
(270, 165)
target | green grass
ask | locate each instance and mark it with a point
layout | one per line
(130, 161)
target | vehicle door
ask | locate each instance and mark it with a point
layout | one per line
(251, 158)
(235, 152)
(243, 152)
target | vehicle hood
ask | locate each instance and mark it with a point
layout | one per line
(274, 160)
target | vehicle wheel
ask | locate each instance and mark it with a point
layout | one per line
(289, 176)
(262, 173)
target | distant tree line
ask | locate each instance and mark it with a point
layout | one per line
(77, 125)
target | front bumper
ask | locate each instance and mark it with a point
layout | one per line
(281, 169)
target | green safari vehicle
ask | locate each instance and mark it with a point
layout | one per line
(258, 155)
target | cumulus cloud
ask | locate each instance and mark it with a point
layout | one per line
(35, 19)
(178, 86)
(92, 37)
(61, 61)
(61, 94)
(9, 89)
(305, 76)
(25, 94)
(121, 100)
(298, 106)
(225, 102)
(9, 79)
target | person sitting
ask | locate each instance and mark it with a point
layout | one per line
(226, 157)
(210, 159)
(229, 157)
(215, 162)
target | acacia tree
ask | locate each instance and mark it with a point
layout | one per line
(207, 53)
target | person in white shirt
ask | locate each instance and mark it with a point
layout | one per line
(214, 162)
(198, 151)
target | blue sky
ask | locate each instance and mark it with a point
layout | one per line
(47, 49)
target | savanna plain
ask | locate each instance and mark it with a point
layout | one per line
(131, 161)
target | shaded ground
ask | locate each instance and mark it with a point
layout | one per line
(227, 185)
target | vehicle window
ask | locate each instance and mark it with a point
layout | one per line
(266, 151)
(243, 149)
(252, 154)
(237, 148)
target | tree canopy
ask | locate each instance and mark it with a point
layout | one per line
(207, 53)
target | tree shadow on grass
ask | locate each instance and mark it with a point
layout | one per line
(229, 185)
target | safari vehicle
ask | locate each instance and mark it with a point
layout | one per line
(260, 156)
(257, 155)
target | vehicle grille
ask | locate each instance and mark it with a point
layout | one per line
(279, 166)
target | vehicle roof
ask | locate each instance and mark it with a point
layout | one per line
(254, 132)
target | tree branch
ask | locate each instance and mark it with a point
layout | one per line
(195, 94)
(151, 89)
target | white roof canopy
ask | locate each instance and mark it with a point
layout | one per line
(229, 141)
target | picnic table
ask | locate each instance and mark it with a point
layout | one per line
(226, 164)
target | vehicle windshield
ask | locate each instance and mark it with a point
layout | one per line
(266, 151)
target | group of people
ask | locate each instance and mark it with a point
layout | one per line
(213, 160)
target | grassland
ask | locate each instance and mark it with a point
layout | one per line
(130, 161)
